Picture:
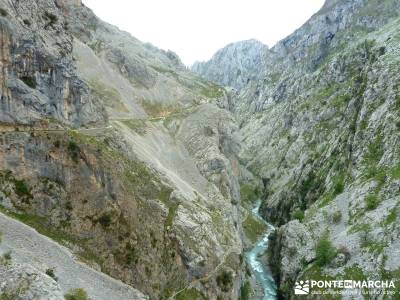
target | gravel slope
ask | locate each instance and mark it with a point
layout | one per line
(30, 247)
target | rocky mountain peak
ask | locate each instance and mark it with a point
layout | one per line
(234, 65)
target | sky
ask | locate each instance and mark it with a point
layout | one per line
(195, 30)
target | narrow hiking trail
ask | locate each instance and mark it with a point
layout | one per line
(213, 272)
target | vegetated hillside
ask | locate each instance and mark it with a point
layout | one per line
(324, 136)
(112, 148)
(321, 128)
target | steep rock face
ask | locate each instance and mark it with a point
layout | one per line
(321, 130)
(235, 65)
(134, 191)
(39, 79)
(291, 247)
(76, 191)
(121, 216)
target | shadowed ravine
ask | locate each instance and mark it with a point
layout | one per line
(261, 271)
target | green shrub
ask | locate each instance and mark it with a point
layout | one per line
(3, 12)
(73, 146)
(50, 272)
(376, 173)
(7, 256)
(375, 150)
(212, 91)
(299, 215)
(225, 280)
(105, 220)
(391, 218)
(245, 291)
(171, 215)
(73, 150)
(21, 188)
(326, 199)
(253, 228)
(51, 18)
(131, 255)
(338, 188)
(190, 293)
(249, 194)
(325, 251)
(68, 206)
(380, 177)
(372, 201)
(27, 22)
(29, 81)
(364, 124)
(77, 294)
(12, 294)
(395, 173)
(341, 100)
(337, 217)
(370, 245)
(310, 186)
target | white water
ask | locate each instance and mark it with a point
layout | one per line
(262, 272)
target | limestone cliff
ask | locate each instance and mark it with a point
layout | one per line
(323, 136)
(235, 65)
(321, 128)
(115, 150)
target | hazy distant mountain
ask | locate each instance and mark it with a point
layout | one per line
(234, 65)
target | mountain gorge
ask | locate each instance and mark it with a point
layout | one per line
(321, 129)
(125, 175)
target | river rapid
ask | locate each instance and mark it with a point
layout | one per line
(261, 271)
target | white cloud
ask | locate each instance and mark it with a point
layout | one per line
(195, 30)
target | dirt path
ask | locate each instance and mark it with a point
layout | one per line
(212, 273)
